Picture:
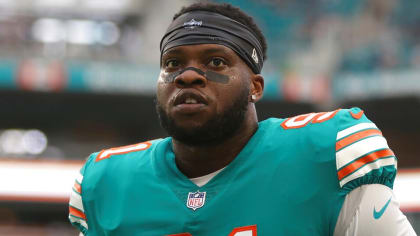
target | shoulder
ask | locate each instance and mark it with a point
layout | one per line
(138, 150)
(362, 153)
(337, 121)
(340, 118)
(310, 137)
(309, 119)
(123, 151)
(346, 137)
(103, 172)
(313, 130)
(120, 159)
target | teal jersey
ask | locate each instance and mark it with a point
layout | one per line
(291, 178)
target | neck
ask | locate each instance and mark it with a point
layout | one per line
(196, 161)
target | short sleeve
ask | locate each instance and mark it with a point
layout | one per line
(77, 214)
(362, 153)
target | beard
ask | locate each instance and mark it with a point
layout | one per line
(216, 130)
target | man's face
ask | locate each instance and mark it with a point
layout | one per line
(194, 109)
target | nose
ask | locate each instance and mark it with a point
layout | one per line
(190, 78)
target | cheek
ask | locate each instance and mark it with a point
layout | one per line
(161, 92)
(162, 75)
(227, 96)
(237, 83)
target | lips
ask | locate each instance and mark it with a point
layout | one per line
(189, 103)
(189, 98)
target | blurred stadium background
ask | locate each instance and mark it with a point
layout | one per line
(78, 76)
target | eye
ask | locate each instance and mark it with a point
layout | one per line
(217, 62)
(171, 63)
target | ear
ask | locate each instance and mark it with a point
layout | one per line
(257, 88)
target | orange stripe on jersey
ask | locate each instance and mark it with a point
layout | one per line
(252, 228)
(356, 137)
(76, 212)
(77, 187)
(357, 115)
(363, 161)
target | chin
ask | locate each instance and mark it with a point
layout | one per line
(190, 124)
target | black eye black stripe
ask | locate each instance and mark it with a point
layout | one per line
(210, 75)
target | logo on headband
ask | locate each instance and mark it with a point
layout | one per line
(254, 55)
(192, 24)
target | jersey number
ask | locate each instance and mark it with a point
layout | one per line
(302, 120)
(122, 150)
(240, 231)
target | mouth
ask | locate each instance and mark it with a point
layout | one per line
(189, 98)
(189, 103)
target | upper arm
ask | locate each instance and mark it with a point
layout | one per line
(366, 169)
(372, 210)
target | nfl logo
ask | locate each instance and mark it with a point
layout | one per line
(192, 24)
(196, 200)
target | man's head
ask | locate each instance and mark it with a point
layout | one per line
(223, 24)
(211, 58)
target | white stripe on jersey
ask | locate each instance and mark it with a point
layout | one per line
(359, 149)
(367, 168)
(354, 129)
(79, 178)
(76, 201)
(78, 220)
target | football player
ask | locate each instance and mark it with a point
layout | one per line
(220, 171)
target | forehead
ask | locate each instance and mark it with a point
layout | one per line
(204, 49)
